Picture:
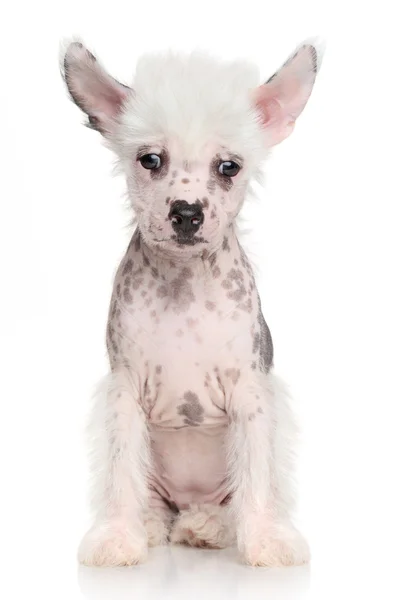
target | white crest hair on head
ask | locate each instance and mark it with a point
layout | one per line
(199, 98)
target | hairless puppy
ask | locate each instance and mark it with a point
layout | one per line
(193, 433)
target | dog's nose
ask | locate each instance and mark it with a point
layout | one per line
(186, 218)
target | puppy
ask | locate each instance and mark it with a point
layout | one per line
(193, 432)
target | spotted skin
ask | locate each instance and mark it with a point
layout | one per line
(194, 336)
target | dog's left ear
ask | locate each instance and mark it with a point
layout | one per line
(96, 93)
(283, 97)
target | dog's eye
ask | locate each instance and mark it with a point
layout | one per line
(150, 161)
(229, 168)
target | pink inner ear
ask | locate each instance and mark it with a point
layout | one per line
(103, 95)
(282, 99)
(278, 123)
(270, 109)
(92, 88)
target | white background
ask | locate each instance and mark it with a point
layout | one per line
(324, 235)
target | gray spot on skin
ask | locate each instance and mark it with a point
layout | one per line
(179, 333)
(216, 272)
(191, 409)
(167, 199)
(172, 182)
(205, 202)
(174, 173)
(162, 291)
(233, 374)
(182, 290)
(266, 346)
(251, 416)
(137, 283)
(246, 306)
(127, 281)
(210, 305)
(253, 365)
(245, 262)
(127, 296)
(158, 369)
(237, 295)
(119, 290)
(236, 276)
(260, 410)
(225, 245)
(128, 267)
(211, 186)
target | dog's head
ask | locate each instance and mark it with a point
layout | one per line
(190, 134)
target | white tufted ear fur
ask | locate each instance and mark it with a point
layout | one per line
(283, 97)
(96, 93)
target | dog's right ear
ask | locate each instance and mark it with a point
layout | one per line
(281, 100)
(96, 93)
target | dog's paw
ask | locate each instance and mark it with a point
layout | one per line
(157, 530)
(205, 526)
(112, 545)
(275, 546)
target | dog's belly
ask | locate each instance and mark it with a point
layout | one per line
(189, 464)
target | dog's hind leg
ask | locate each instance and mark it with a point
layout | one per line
(204, 526)
(158, 520)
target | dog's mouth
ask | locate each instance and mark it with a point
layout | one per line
(188, 240)
(182, 240)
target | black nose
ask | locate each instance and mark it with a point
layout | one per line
(186, 218)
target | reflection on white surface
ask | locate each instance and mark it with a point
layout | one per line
(175, 572)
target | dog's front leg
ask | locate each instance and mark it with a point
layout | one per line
(120, 467)
(257, 455)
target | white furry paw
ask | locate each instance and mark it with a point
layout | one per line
(112, 545)
(276, 545)
(205, 526)
(157, 530)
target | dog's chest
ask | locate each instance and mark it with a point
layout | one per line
(184, 359)
(187, 341)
